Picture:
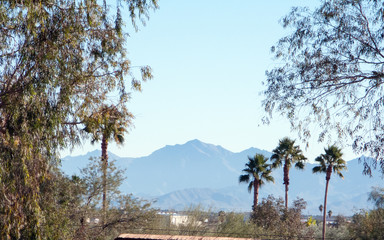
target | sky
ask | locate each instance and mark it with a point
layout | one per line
(209, 60)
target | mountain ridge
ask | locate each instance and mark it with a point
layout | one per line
(172, 175)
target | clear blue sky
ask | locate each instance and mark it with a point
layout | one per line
(209, 60)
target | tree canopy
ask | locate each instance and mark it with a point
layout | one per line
(60, 60)
(330, 74)
(377, 197)
(287, 154)
(256, 173)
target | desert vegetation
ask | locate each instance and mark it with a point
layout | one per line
(270, 220)
(65, 78)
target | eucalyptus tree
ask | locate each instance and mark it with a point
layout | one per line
(329, 77)
(287, 154)
(330, 162)
(377, 197)
(59, 60)
(257, 172)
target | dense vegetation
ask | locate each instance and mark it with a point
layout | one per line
(61, 62)
(72, 205)
(271, 220)
(63, 79)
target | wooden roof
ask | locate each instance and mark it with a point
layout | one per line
(172, 237)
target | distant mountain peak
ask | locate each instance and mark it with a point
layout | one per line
(192, 146)
(253, 151)
(194, 141)
(198, 143)
(189, 170)
(94, 153)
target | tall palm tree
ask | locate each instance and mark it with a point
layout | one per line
(109, 123)
(257, 171)
(329, 162)
(288, 154)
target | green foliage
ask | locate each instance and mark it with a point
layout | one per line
(271, 220)
(330, 162)
(267, 213)
(315, 232)
(337, 233)
(70, 206)
(257, 172)
(377, 197)
(60, 203)
(108, 123)
(287, 154)
(367, 224)
(235, 225)
(128, 214)
(92, 175)
(124, 212)
(329, 77)
(272, 216)
(59, 61)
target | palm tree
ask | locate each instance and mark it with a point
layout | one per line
(109, 123)
(286, 152)
(257, 172)
(329, 162)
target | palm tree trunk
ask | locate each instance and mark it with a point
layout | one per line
(286, 183)
(255, 194)
(104, 158)
(327, 178)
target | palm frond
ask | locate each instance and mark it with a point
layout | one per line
(318, 169)
(244, 178)
(300, 165)
(332, 158)
(276, 161)
(119, 139)
(269, 179)
(257, 169)
(288, 153)
(250, 186)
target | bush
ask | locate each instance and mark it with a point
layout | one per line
(368, 224)
(275, 220)
(235, 225)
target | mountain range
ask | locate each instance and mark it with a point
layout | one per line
(199, 173)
